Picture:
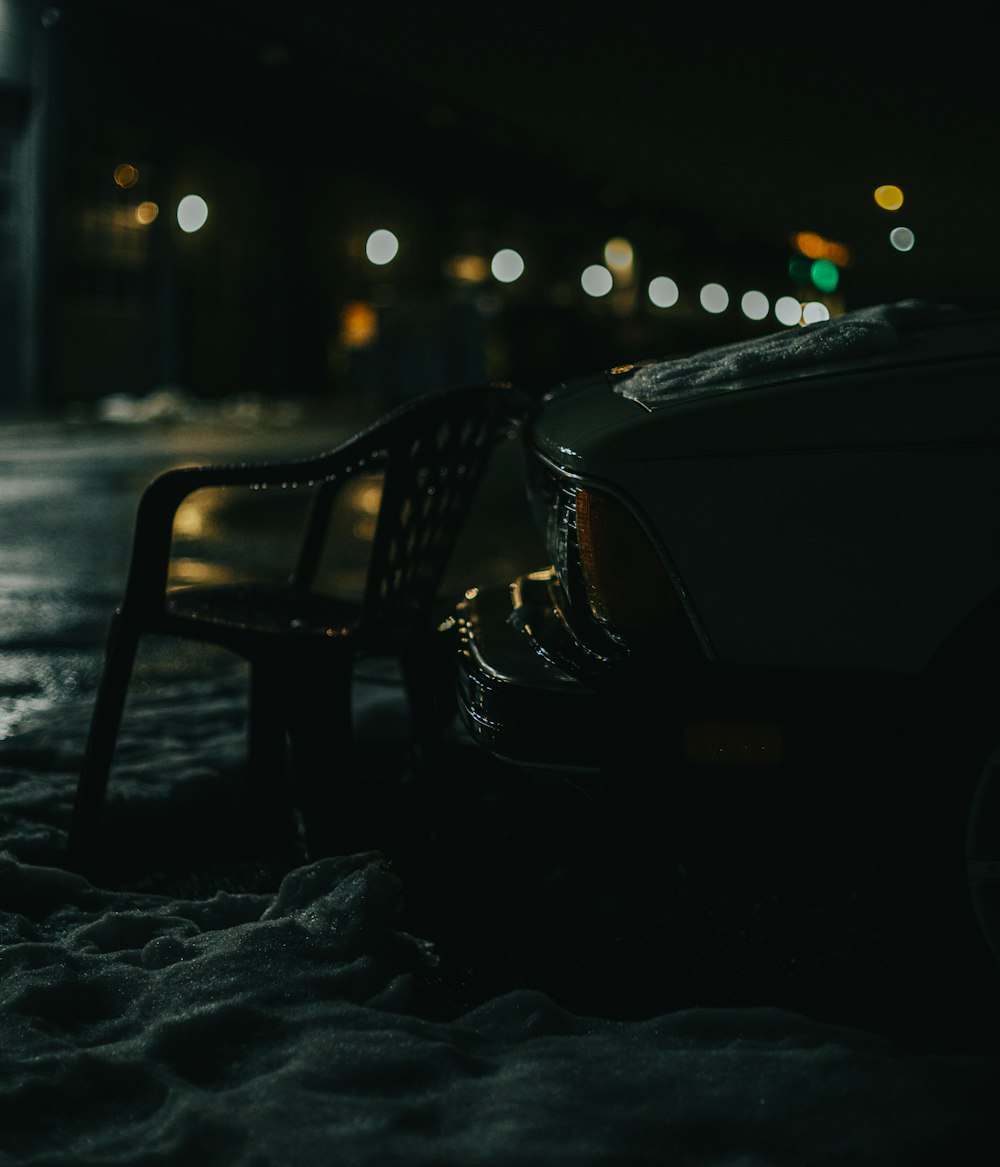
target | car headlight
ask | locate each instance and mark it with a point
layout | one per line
(627, 585)
(620, 594)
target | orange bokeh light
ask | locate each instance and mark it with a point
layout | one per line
(358, 324)
(814, 246)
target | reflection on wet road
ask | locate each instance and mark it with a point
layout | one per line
(68, 496)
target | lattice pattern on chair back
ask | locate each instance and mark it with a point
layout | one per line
(432, 469)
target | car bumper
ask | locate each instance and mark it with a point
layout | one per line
(513, 700)
(517, 700)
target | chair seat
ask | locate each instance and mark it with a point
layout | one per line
(301, 646)
(277, 611)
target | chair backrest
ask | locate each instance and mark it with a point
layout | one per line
(433, 452)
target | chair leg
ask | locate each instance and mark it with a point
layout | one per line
(268, 804)
(321, 731)
(101, 741)
(266, 750)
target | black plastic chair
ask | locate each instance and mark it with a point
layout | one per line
(301, 645)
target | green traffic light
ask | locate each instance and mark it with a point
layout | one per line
(824, 275)
(800, 268)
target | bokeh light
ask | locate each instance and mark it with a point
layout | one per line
(381, 246)
(663, 292)
(192, 213)
(813, 245)
(146, 212)
(889, 198)
(800, 270)
(824, 275)
(467, 269)
(596, 280)
(507, 265)
(788, 310)
(902, 238)
(618, 254)
(813, 312)
(714, 298)
(126, 175)
(358, 324)
(755, 305)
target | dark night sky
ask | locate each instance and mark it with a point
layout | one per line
(758, 132)
(771, 133)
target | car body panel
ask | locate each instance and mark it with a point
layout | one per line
(834, 516)
(934, 387)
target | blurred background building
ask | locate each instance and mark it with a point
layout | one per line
(218, 199)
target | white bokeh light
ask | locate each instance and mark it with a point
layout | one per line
(507, 265)
(788, 310)
(755, 305)
(192, 213)
(381, 247)
(714, 298)
(596, 280)
(663, 292)
(814, 312)
(902, 238)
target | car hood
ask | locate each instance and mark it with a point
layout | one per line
(893, 375)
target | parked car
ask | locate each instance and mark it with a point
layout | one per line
(765, 553)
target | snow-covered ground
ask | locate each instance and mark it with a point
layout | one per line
(203, 1002)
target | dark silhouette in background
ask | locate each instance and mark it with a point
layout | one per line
(305, 128)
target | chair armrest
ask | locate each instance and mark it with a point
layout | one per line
(154, 523)
(153, 532)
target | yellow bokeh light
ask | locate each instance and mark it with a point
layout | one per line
(889, 198)
(368, 497)
(618, 254)
(467, 269)
(126, 175)
(358, 324)
(189, 520)
(145, 213)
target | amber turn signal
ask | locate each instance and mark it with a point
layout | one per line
(627, 585)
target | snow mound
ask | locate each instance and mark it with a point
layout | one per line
(250, 1029)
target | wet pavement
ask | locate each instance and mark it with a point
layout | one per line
(622, 906)
(68, 494)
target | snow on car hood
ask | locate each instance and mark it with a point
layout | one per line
(865, 333)
(893, 375)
